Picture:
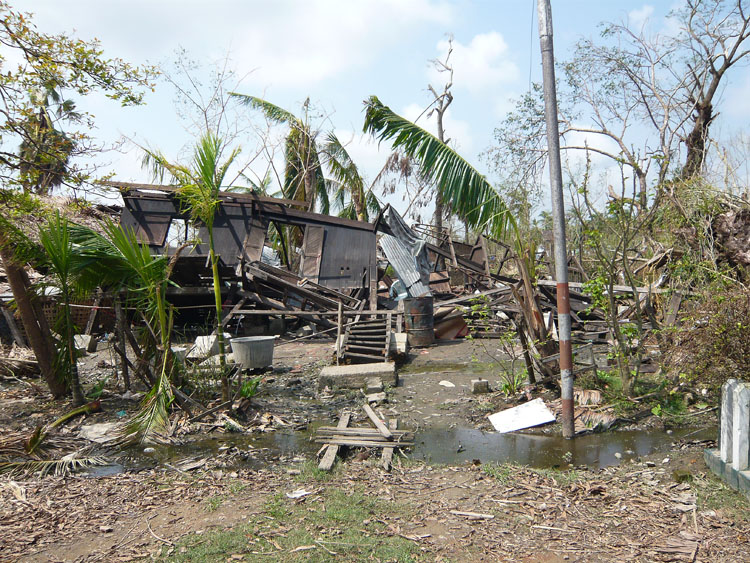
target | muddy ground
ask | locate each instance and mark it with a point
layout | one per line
(222, 497)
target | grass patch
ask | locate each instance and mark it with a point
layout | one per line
(563, 477)
(338, 526)
(213, 503)
(715, 494)
(309, 472)
(503, 472)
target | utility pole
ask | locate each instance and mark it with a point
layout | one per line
(544, 13)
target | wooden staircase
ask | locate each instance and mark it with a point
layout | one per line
(367, 341)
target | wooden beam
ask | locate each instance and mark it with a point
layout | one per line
(92, 316)
(353, 442)
(329, 457)
(14, 330)
(382, 428)
(387, 458)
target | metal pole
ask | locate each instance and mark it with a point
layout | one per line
(544, 12)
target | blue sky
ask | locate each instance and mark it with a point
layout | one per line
(337, 52)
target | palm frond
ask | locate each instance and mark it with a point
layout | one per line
(469, 193)
(271, 111)
(372, 204)
(57, 467)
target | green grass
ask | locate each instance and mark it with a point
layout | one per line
(503, 472)
(339, 526)
(563, 477)
(309, 472)
(714, 494)
(213, 503)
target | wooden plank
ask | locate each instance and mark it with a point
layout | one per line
(377, 422)
(673, 308)
(120, 335)
(254, 241)
(387, 458)
(329, 457)
(352, 431)
(233, 312)
(352, 442)
(375, 359)
(92, 316)
(312, 252)
(387, 348)
(328, 438)
(14, 330)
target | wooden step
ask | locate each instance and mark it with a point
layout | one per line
(360, 338)
(363, 356)
(367, 330)
(366, 349)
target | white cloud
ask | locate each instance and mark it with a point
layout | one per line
(286, 42)
(484, 64)
(316, 40)
(639, 18)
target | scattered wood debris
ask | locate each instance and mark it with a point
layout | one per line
(386, 437)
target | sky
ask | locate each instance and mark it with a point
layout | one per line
(337, 53)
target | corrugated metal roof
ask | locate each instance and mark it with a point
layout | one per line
(407, 255)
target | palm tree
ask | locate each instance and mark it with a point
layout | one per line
(117, 260)
(346, 175)
(303, 174)
(199, 185)
(16, 250)
(64, 275)
(467, 191)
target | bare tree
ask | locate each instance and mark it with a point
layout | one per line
(644, 100)
(669, 83)
(440, 105)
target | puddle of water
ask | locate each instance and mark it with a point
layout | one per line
(253, 451)
(439, 445)
(432, 445)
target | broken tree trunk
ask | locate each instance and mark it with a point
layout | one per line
(32, 317)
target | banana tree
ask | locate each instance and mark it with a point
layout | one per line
(199, 185)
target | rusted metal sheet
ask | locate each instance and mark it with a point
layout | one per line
(347, 257)
(407, 253)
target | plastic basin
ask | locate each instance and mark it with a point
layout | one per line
(253, 352)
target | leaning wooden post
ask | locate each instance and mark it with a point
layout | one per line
(120, 337)
(339, 331)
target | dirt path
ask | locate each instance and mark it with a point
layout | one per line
(636, 512)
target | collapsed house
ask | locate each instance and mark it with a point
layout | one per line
(364, 283)
(354, 277)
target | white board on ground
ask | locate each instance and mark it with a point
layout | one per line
(523, 416)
